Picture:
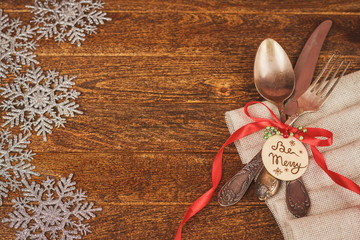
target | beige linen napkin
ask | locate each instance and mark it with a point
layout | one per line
(335, 211)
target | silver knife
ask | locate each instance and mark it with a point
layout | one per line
(297, 198)
(236, 187)
(306, 64)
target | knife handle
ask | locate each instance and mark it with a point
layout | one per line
(236, 187)
(297, 198)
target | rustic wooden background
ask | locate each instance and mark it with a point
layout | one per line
(155, 83)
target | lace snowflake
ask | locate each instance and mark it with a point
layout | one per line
(39, 100)
(15, 168)
(16, 49)
(49, 211)
(67, 19)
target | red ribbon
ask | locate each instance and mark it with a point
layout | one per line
(260, 123)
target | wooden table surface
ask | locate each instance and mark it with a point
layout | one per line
(155, 83)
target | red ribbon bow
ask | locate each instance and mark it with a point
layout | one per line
(260, 123)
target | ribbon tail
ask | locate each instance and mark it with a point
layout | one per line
(199, 204)
(336, 177)
(202, 201)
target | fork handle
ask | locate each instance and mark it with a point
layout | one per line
(266, 185)
(291, 119)
(297, 198)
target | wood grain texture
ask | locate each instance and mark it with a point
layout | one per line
(223, 6)
(155, 83)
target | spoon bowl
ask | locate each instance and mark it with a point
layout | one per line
(273, 74)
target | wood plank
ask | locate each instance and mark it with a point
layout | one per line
(139, 178)
(205, 34)
(140, 127)
(174, 113)
(154, 80)
(177, 34)
(154, 190)
(166, 79)
(222, 6)
(158, 222)
(109, 125)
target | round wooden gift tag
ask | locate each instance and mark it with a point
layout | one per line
(285, 158)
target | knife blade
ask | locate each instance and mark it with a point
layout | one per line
(306, 63)
(297, 198)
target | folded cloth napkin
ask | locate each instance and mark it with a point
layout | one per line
(335, 211)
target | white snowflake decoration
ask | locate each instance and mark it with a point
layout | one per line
(50, 211)
(39, 100)
(16, 49)
(67, 19)
(15, 168)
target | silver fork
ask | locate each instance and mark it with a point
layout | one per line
(297, 198)
(319, 90)
(310, 101)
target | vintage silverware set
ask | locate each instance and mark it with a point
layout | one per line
(293, 94)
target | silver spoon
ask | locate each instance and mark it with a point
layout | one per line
(274, 79)
(273, 74)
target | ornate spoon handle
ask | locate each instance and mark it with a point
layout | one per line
(236, 187)
(266, 185)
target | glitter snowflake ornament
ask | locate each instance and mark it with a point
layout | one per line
(16, 46)
(15, 167)
(39, 100)
(49, 211)
(67, 19)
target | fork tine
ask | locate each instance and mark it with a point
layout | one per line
(323, 90)
(322, 83)
(314, 83)
(337, 81)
